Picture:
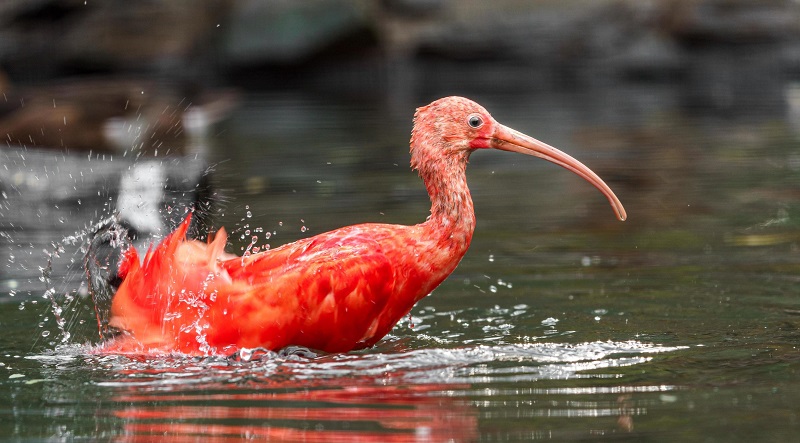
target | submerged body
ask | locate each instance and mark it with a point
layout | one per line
(337, 291)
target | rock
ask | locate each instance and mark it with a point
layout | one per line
(651, 56)
(192, 41)
(721, 21)
(286, 32)
(48, 38)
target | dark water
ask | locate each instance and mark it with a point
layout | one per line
(681, 324)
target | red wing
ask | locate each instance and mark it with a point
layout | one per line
(327, 292)
(311, 293)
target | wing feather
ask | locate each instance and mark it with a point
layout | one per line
(325, 292)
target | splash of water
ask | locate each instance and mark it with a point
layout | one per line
(58, 300)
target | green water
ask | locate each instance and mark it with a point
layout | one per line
(561, 323)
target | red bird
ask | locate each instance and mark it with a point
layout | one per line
(338, 291)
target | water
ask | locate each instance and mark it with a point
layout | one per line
(681, 324)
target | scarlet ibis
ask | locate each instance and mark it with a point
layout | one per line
(337, 291)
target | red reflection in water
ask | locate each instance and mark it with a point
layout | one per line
(285, 410)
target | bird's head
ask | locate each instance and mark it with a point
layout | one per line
(454, 127)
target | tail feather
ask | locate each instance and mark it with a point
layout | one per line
(169, 290)
(147, 290)
(129, 263)
(166, 249)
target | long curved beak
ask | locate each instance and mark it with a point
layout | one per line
(507, 139)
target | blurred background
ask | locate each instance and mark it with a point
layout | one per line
(280, 119)
(286, 110)
(382, 48)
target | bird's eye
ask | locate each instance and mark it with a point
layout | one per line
(475, 121)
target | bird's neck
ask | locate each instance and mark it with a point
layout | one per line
(452, 219)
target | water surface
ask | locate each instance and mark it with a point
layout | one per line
(560, 323)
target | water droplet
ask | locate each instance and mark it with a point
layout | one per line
(491, 257)
(248, 214)
(245, 354)
(303, 229)
(492, 288)
(549, 321)
(45, 333)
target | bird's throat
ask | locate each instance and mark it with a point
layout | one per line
(452, 219)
